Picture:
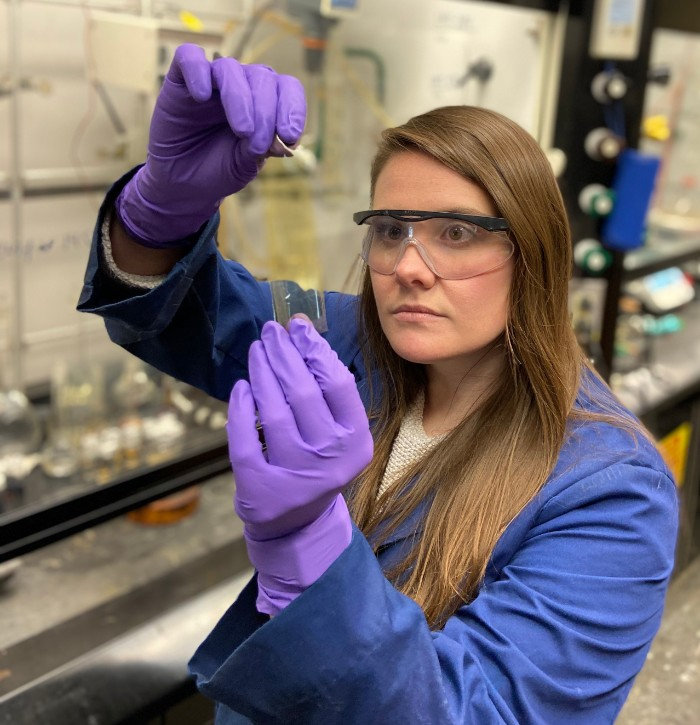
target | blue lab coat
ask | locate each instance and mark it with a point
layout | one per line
(572, 597)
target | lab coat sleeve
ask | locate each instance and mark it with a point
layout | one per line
(557, 637)
(197, 325)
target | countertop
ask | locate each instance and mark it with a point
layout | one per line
(85, 594)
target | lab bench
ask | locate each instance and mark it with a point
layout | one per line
(98, 627)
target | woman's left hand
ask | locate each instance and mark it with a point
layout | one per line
(315, 428)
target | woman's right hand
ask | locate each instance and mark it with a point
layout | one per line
(211, 129)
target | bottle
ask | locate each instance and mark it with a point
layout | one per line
(77, 414)
(137, 397)
(20, 431)
(632, 350)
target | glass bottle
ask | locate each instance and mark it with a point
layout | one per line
(20, 430)
(152, 435)
(136, 397)
(77, 414)
(632, 349)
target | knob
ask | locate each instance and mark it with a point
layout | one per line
(557, 160)
(608, 86)
(659, 74)
(591, 256)
(602, 144)
(596, 200)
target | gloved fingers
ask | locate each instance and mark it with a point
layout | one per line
(235, 93)
(291, 109)
(263, 89)
(302, 392)
(276, 417)
(244, 446)
(191, 67)
(335, 380)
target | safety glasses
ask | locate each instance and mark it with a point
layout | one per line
(452, 245)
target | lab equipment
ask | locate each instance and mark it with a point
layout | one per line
(77, 396)
(663, 291)
(633, 186)
(438, 42)
(135, 391)
(20, 431)
(164, 436)
(305, 157)
(127, 51)
(602, 144)
(280, 148)
(138, 397)
(168, 510)
(339, 8)
(596, 200)
(78, 409)
(19, 426)
(616, 29)
(289, 299)
(290, 224)
(632, 344)
(60, 456)
(609, 85)
(317, 19)
(453, 246)
(591, 256)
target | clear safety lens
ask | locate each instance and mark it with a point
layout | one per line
(451, 248)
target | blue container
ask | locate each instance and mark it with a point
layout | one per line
(624, 227)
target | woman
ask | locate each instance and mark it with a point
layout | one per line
(503, 552)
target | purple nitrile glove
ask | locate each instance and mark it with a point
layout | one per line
(318, 440)
(212, 126)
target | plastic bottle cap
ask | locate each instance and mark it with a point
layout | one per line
(591, 256)
(616, 87)
(596, 261)
(602, 144)
(609, 147)
(602, 204)
(596, 200)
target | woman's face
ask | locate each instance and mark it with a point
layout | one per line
(429, 320)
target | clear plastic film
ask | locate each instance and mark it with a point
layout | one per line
(289, 299)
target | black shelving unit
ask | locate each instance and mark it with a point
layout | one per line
(577, 114)
(661, 255)
(626, 267)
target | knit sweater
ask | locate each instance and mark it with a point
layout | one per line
(410, 445)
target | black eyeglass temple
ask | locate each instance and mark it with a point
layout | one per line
(491, 224)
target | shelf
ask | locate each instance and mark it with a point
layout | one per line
(52, 509)
(660, 254)
(68, 180)
(674, 371)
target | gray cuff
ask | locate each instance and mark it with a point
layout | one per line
(139, 281)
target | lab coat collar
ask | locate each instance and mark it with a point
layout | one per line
(411, 527)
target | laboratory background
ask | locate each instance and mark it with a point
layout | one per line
(119, 548)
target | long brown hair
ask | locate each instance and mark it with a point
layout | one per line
(497, 459)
